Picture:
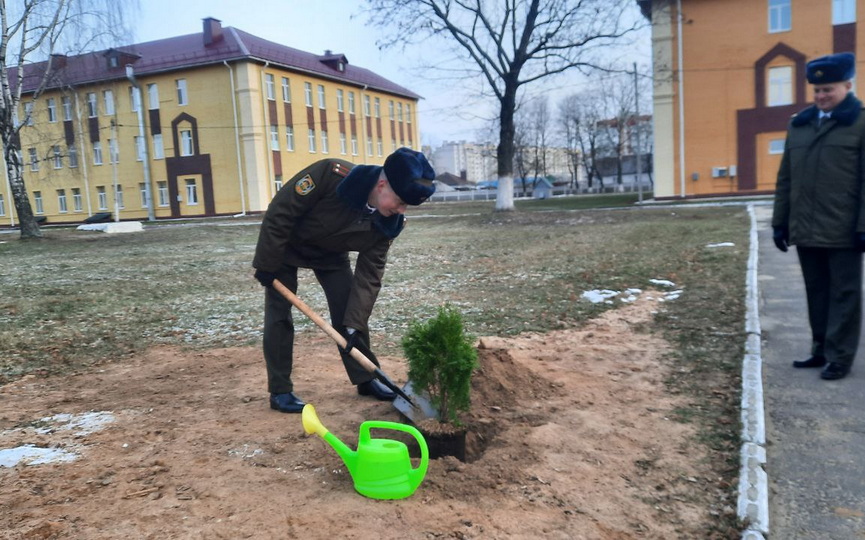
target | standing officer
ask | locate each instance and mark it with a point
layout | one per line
(326, 210)
(820, 208)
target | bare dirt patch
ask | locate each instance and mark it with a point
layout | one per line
(572, 431)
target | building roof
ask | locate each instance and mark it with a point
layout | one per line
(214, 45)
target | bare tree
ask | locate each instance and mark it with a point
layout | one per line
(34, 31)
(580, 115)
(511, 44)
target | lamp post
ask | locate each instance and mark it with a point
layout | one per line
(148, 197)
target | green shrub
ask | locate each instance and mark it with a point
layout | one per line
(441, 359)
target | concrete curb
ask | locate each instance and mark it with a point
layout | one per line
(753, 504)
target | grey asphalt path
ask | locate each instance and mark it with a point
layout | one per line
(815, 429)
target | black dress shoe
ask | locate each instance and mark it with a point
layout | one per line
(834, 370)
(814, 361)
(287, 403)
(377, 390)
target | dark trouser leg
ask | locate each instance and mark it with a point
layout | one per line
(279, 334)
(337, 287)
(833, 281)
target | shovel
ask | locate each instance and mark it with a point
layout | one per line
(361, 358)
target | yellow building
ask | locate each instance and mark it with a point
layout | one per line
(225, 117)
(728, 76)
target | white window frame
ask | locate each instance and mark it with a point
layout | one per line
(269, 88)
(108, 99)
(399, 112)
(779, 10)
(61, 201)
(390, 109)
(118, 196)
(311, 137)
(187, 148)
(274, 138)
(2, 206)
(158, 147)
(366, 106)
(351, 103)
(379, 146)
(321, 104)
(779, 87)
(37, 201)
(843, 11)
(134, 98)
(776, 146)
(162, 191)
(340, 100)
(28, 113)
(289, 138)
(343, 144)
(58, 157)
(139, 148)
(286, 90)
(182, 95)
(77, 203)
(408, 113)
(377, 107)
(191, 192)
(369, 146)
(142, 190)
(34, 159)
(153, 96)
(66, 103)
(307, 94)
(324, 145)
(113, 151)
(354, 145)
(97, 153)
(101, 197)
(52, 110)
(72, 152)
(92, 104)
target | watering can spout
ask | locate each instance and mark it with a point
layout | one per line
(311, 424)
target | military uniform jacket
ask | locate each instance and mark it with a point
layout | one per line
(308, 225)
(819, 195)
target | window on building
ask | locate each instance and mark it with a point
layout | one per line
(776, 146)
(58, 157)
(52, 110)
(324, 145)
(139, 148)
(779, 16)
(843, 11)
(342, 144)
(34, 159)
(366, 108)
(101, 198)
(92, 105)
(269, 89)
(377, 108)
(307, 94)
(399, 112)
(134, 99)
(191, 191)
(390, 109)
(274, 138)
(142, 190)
(321, 96)
(37, 200)
(186, 142)
(182, 98)
(289, 138)
(312, 140)
(369, 146)
(158, 147)
(780, 86)
(351, 103)
(61, 201)
(354, 145)
(393, 145)
(113, 151)
(379, 146)
(408, 113)
(28, 113)
(2, 205)
(162, 191)
(72, 152)
(118, 196)
(97, 153)
(66, 102)
(152, 96)
(340, 96)
(277, 182)
(77, 205)
(108, 99)
(286, 90)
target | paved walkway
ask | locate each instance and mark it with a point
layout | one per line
(815, 429)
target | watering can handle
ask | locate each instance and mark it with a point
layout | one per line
(411, 430)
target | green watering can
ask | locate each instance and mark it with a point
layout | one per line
(380, 468)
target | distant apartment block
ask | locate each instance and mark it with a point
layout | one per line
(477, 162)
(227, 118)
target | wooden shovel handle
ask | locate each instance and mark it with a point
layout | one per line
(361, 358)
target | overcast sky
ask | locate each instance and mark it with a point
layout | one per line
(315, 26)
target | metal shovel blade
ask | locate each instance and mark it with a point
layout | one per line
(420, 407)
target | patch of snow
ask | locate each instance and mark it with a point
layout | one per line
(662, 282)
(722, 244)
(85, 423)
(597, 296)
(34, 455)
